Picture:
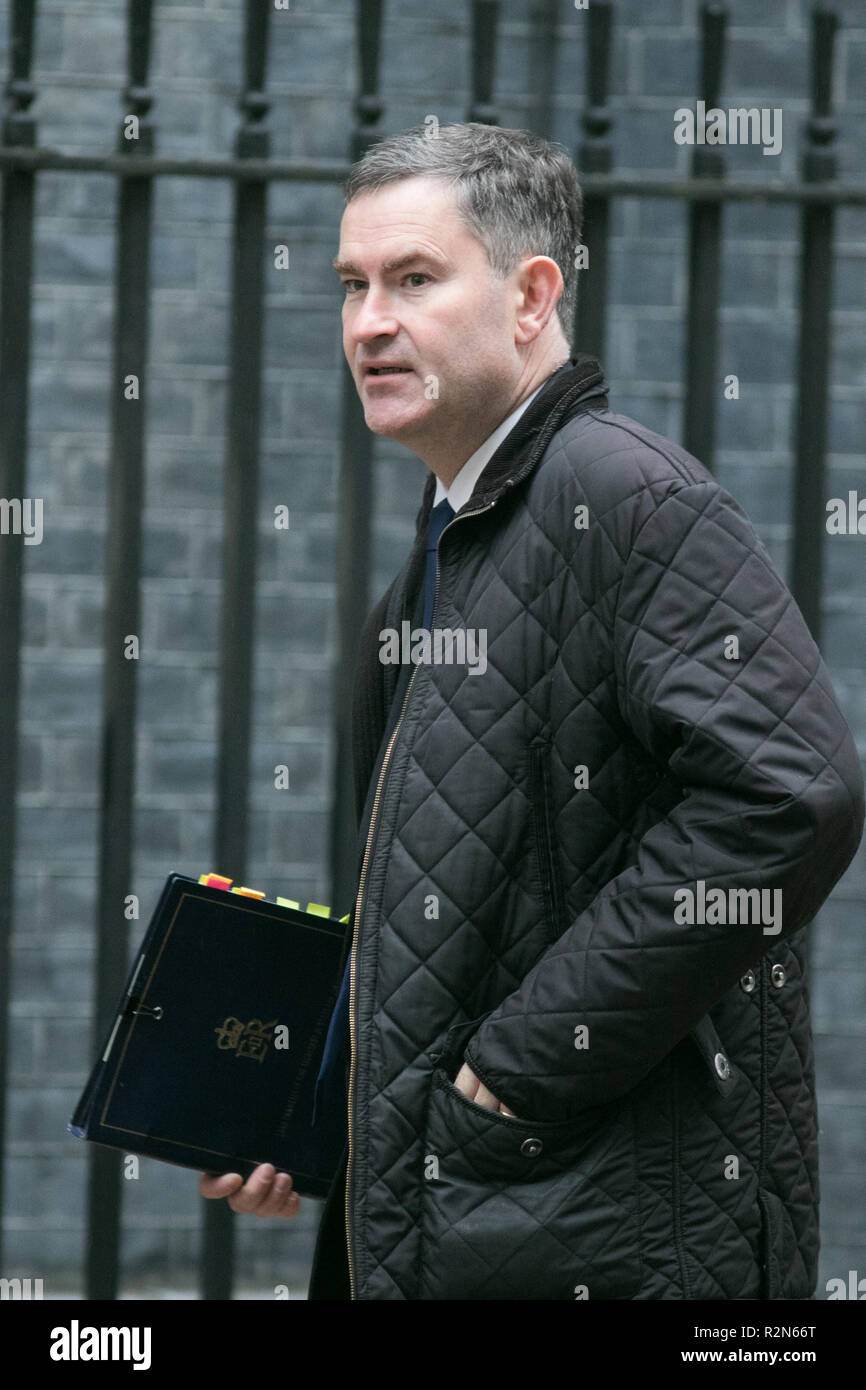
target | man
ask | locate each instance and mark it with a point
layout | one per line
(597, 807)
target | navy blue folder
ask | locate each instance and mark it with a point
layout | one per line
(212, 1059)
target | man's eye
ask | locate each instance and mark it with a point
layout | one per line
(350, 286)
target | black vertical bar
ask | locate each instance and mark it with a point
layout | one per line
(355, 513)
(16, 263)
(817, 224)
(544, 17)
(485, 20)
(595, 156)
(240, 543)
(122, 611)
(705, 252)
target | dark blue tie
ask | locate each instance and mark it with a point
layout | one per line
(331, 1081)
(439, 519)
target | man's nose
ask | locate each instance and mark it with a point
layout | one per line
(374, 317)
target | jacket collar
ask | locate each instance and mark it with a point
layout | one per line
(574, 386)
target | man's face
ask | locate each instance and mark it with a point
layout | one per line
(420, 295)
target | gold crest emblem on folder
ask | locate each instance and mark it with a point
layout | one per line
(245, 1039)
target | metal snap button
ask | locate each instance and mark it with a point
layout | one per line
(722, 1065)
(531, 1148)
(778, 976)
(748, 981)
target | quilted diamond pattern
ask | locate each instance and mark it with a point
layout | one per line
(507, 904)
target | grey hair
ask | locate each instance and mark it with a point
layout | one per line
(516, 192)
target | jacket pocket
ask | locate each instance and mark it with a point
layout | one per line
(781, 1260)
(547, 867)
(522, 1209)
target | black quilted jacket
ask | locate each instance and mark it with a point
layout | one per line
(654, 725)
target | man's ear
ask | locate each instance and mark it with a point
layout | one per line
(538, 289)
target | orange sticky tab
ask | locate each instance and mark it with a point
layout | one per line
(214, 880)
(248, 892)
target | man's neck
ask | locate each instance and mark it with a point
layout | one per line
(449, 456)
(460, 489)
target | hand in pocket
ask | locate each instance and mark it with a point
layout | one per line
(475, 1090)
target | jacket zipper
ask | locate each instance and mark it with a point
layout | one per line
(366, 860)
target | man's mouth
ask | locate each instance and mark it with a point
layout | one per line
(385, 371)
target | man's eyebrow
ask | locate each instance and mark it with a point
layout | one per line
(388, 267)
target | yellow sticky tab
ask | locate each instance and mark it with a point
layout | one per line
(288, 902)
(248, 892)
(346, 918)
(318, 909)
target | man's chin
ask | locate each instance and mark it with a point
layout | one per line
(401, 425)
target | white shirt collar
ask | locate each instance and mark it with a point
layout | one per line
(461, 489)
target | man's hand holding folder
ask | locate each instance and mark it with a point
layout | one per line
(265, 1192)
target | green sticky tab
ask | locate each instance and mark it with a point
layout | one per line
(287, 902)
(318, 909)
(346, 918)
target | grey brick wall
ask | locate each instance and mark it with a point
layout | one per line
(79, 76)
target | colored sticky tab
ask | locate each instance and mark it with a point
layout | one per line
(248, 892)
(346, 918)
(214, 880)
(288, 902)
(318, 909)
